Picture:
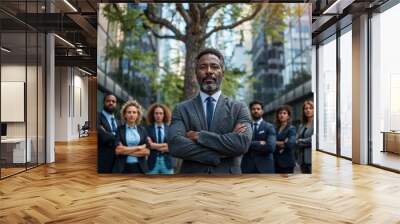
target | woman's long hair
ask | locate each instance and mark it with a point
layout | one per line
(304, 119)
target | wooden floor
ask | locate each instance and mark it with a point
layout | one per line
(387, 159)
(70, 191)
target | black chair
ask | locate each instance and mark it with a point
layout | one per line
(84, 130)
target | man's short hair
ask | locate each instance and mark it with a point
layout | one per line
(254, 102)
(213, 52)
(107, 95)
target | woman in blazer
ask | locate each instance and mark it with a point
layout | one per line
(285, 141)
(158, 119)
(304, 137)
(130, 145)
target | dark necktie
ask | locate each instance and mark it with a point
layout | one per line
(255, 129)
(210, 111)
(113, 128)
(159, 135)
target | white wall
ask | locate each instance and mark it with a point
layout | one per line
(71, 103)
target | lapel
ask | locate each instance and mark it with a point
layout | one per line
(123, 134)
(165, 131)
(104, 122)
(141, 135)
(219, 114)
(260, 128)
(152, 132)
(198, 106)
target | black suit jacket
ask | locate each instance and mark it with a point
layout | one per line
(120, 160)
(105, 145)
(285, 159)
(260, 156)
(152, 159)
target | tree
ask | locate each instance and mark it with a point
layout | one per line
(197, 28)
(193, 24)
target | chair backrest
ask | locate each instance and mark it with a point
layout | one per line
(86, 125)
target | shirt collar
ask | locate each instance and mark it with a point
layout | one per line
(156, 126)
(134, 127)
(258, 121)
(107, 114)
(215, 96)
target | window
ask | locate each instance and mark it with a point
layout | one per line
(327, 96)
(385, 86)
(346, 94)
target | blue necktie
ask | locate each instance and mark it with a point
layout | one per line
(254, 129)
(210, 111)
(113, 127)
(159, 135)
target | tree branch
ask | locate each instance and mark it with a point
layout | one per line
(235, 24)
(150, 14)
(163, 36)
(183, 13)
(212, 5)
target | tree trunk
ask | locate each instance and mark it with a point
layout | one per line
(193, 46)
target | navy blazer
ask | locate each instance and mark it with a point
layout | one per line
(152, 159)
(105, 145)
(285, 159)
(261, 156)
(120, 160)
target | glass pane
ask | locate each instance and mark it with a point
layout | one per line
(385, 86)
(41, 99)
(13, 85)
(327, 96)
(346, 94)
(31, 97)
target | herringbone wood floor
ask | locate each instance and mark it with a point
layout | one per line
(70, 191)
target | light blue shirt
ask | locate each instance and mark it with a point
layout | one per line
(132, 139)
(109, 117)
(204, 97)
(162, 132)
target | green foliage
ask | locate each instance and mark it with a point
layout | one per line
(134, 24)
(171, 87)
(232, 81)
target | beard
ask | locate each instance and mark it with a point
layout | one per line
(256, 116)
(210, 87)
(109, 110)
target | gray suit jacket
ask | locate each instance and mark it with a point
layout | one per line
(218, 150)
(304, 143)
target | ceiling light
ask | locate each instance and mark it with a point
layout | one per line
(70, 5)
(84, 71)
(65, 41)
(337, 7)
(5, 50)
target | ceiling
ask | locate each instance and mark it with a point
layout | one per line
(76, 22)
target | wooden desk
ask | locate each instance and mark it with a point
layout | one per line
(13, 150)
(391, 141)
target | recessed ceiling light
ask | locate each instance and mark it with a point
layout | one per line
(5, 50)
(84, 71)
(64, 40)
(70, 5)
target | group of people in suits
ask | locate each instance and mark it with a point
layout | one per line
(209, 133)
(129, 147)
(279, 148)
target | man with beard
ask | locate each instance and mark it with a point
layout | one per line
(210, 132)
(260, 158)
(106, 134)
